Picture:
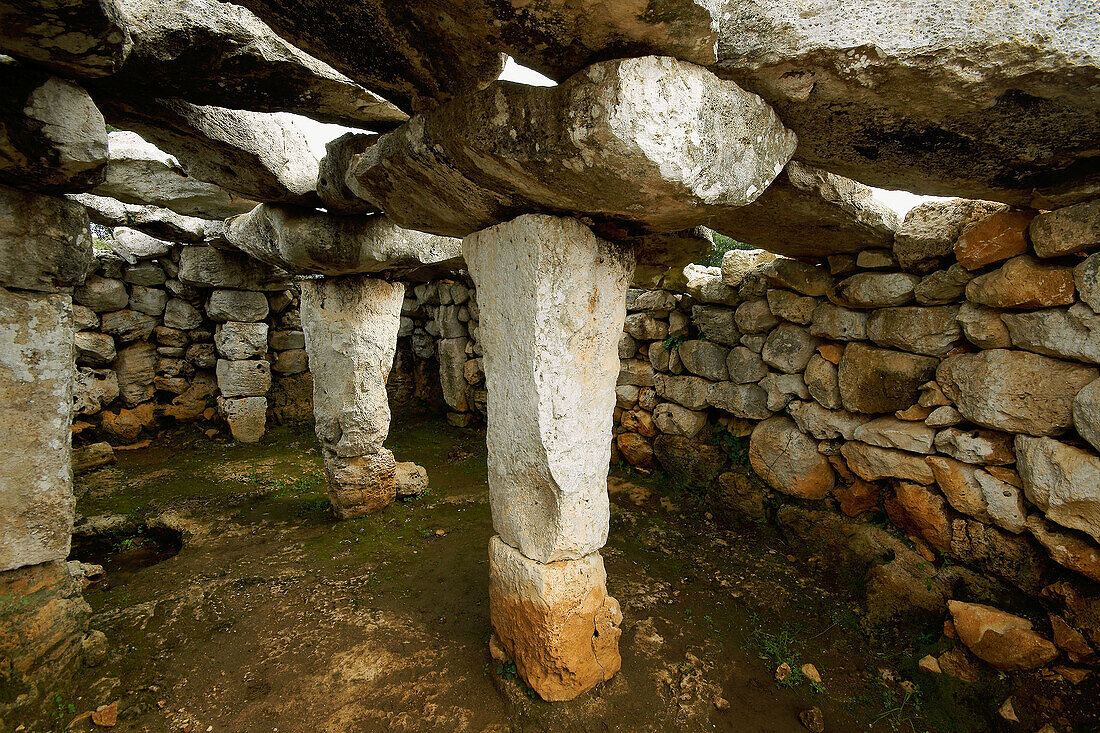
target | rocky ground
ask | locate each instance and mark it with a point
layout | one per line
(274, 617)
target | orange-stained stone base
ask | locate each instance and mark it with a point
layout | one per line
(361, 484)
(555, 620)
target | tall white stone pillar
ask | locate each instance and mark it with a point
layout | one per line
(350, 326)
(552, 298)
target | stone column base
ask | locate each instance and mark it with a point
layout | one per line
(361, 485)
(555, 620)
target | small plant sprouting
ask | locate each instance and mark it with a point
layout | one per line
(672, 343)
(736, 448)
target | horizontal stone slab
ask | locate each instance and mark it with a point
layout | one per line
(809, 212)
(45, 243)
(152, 220)
(950, 97)
(307, 241)
(214, 268)
(140, 173)
(210, 52)
(650, 144)
(84, 38)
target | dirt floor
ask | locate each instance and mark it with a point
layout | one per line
(274, 617)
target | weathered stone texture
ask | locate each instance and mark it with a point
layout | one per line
(551, 297)
(45, 244)
(86, 38)
(36, 397)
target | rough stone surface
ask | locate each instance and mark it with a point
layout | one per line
(552, 299)
(93, 390)
(419, 54)
(44, 241)
(922, 330)
(1014, 391)
(213, 268)
(672, 419)
(788, 459)
(890, 432)
(904, 96)
(1061, 480)
(236, 340)
(132, 245)
(995, 238)
(881, 380)
(1086, 276)
(1023, 282)
(256, 155)
(716, 323)
(872, 463)
(801, 277)
(307, 241)
(136, 369)
(236, 305)
(980, 447)
(822, 382)
(943, 286)
(1086, 413)
(350, 327)
(809, 212)
(360, 485)
(1073, 333)
(840, 324)
(983, 327)
(875, 289)
(1067, 230)
(1004, 641)
(83, 39)
(554, 620)
(163, 224)
(140, 173)
(36, 397)
(705, 359)
(244, 378)
(1069, 549)
(748, 401)
(54, 138)
(789, 348)
(246, 416)
(589, 145)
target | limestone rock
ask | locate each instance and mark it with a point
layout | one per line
(1014, 391)
(1023, 282)
(1068, 230)
(809, 212)
(890, 432)
(747, 401)
(91, 457)
(1073, 333)
(360, 485)
(452, 372)
(235, 340)
(781, 389)
(306, 241)
(755, 316)
(256, 155)
(745, 366)
(1086, 413)
(128, 325)
(95, 349)
(707, 286)
(981, 447)
(920, 511)
(234, 60)
(791, 307)
(546, 287)
(417, 55)
(411, 480)
(922, 330)
(1061, 480)
(584, 146)
(132, 245)
(84, 39)
(788, 460)
(54, 136)
(140, 173)
(247, 417)
(1004, 641)
(872, 463)
(136, 367)
(672, 419)
(716, 323)
(903, 97)
(244, 378)
(102, 294)
(979, 494)
(705, 359)
(876, 380)
(995, 238)
(801, 277)
(928, 234)
(943, 286)
(1086, 276)
(126, 425)
(163, 224)
(554, 620)
(840, 324)
(44, 241)
(213, 268)
(645, 327)
(1069, 549)
(150, 301)
(983, 327)
(181, 315)
(822, 381)
(875, 289)
(736, 263)
(236, 305)
(36, 384)
(350, 329)
(690, 392)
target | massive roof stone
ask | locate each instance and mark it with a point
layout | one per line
(417, 54)
(216, 53)
(71, 37)
(950, 97)
(654, 144)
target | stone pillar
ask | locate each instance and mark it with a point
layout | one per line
(45, 249)
(552, 299)
(350, 326)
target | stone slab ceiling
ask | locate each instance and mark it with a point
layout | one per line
(216, 53)
(84, 38)
(654, 144)
(417, 54)
(948, 97)
(306, 241)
